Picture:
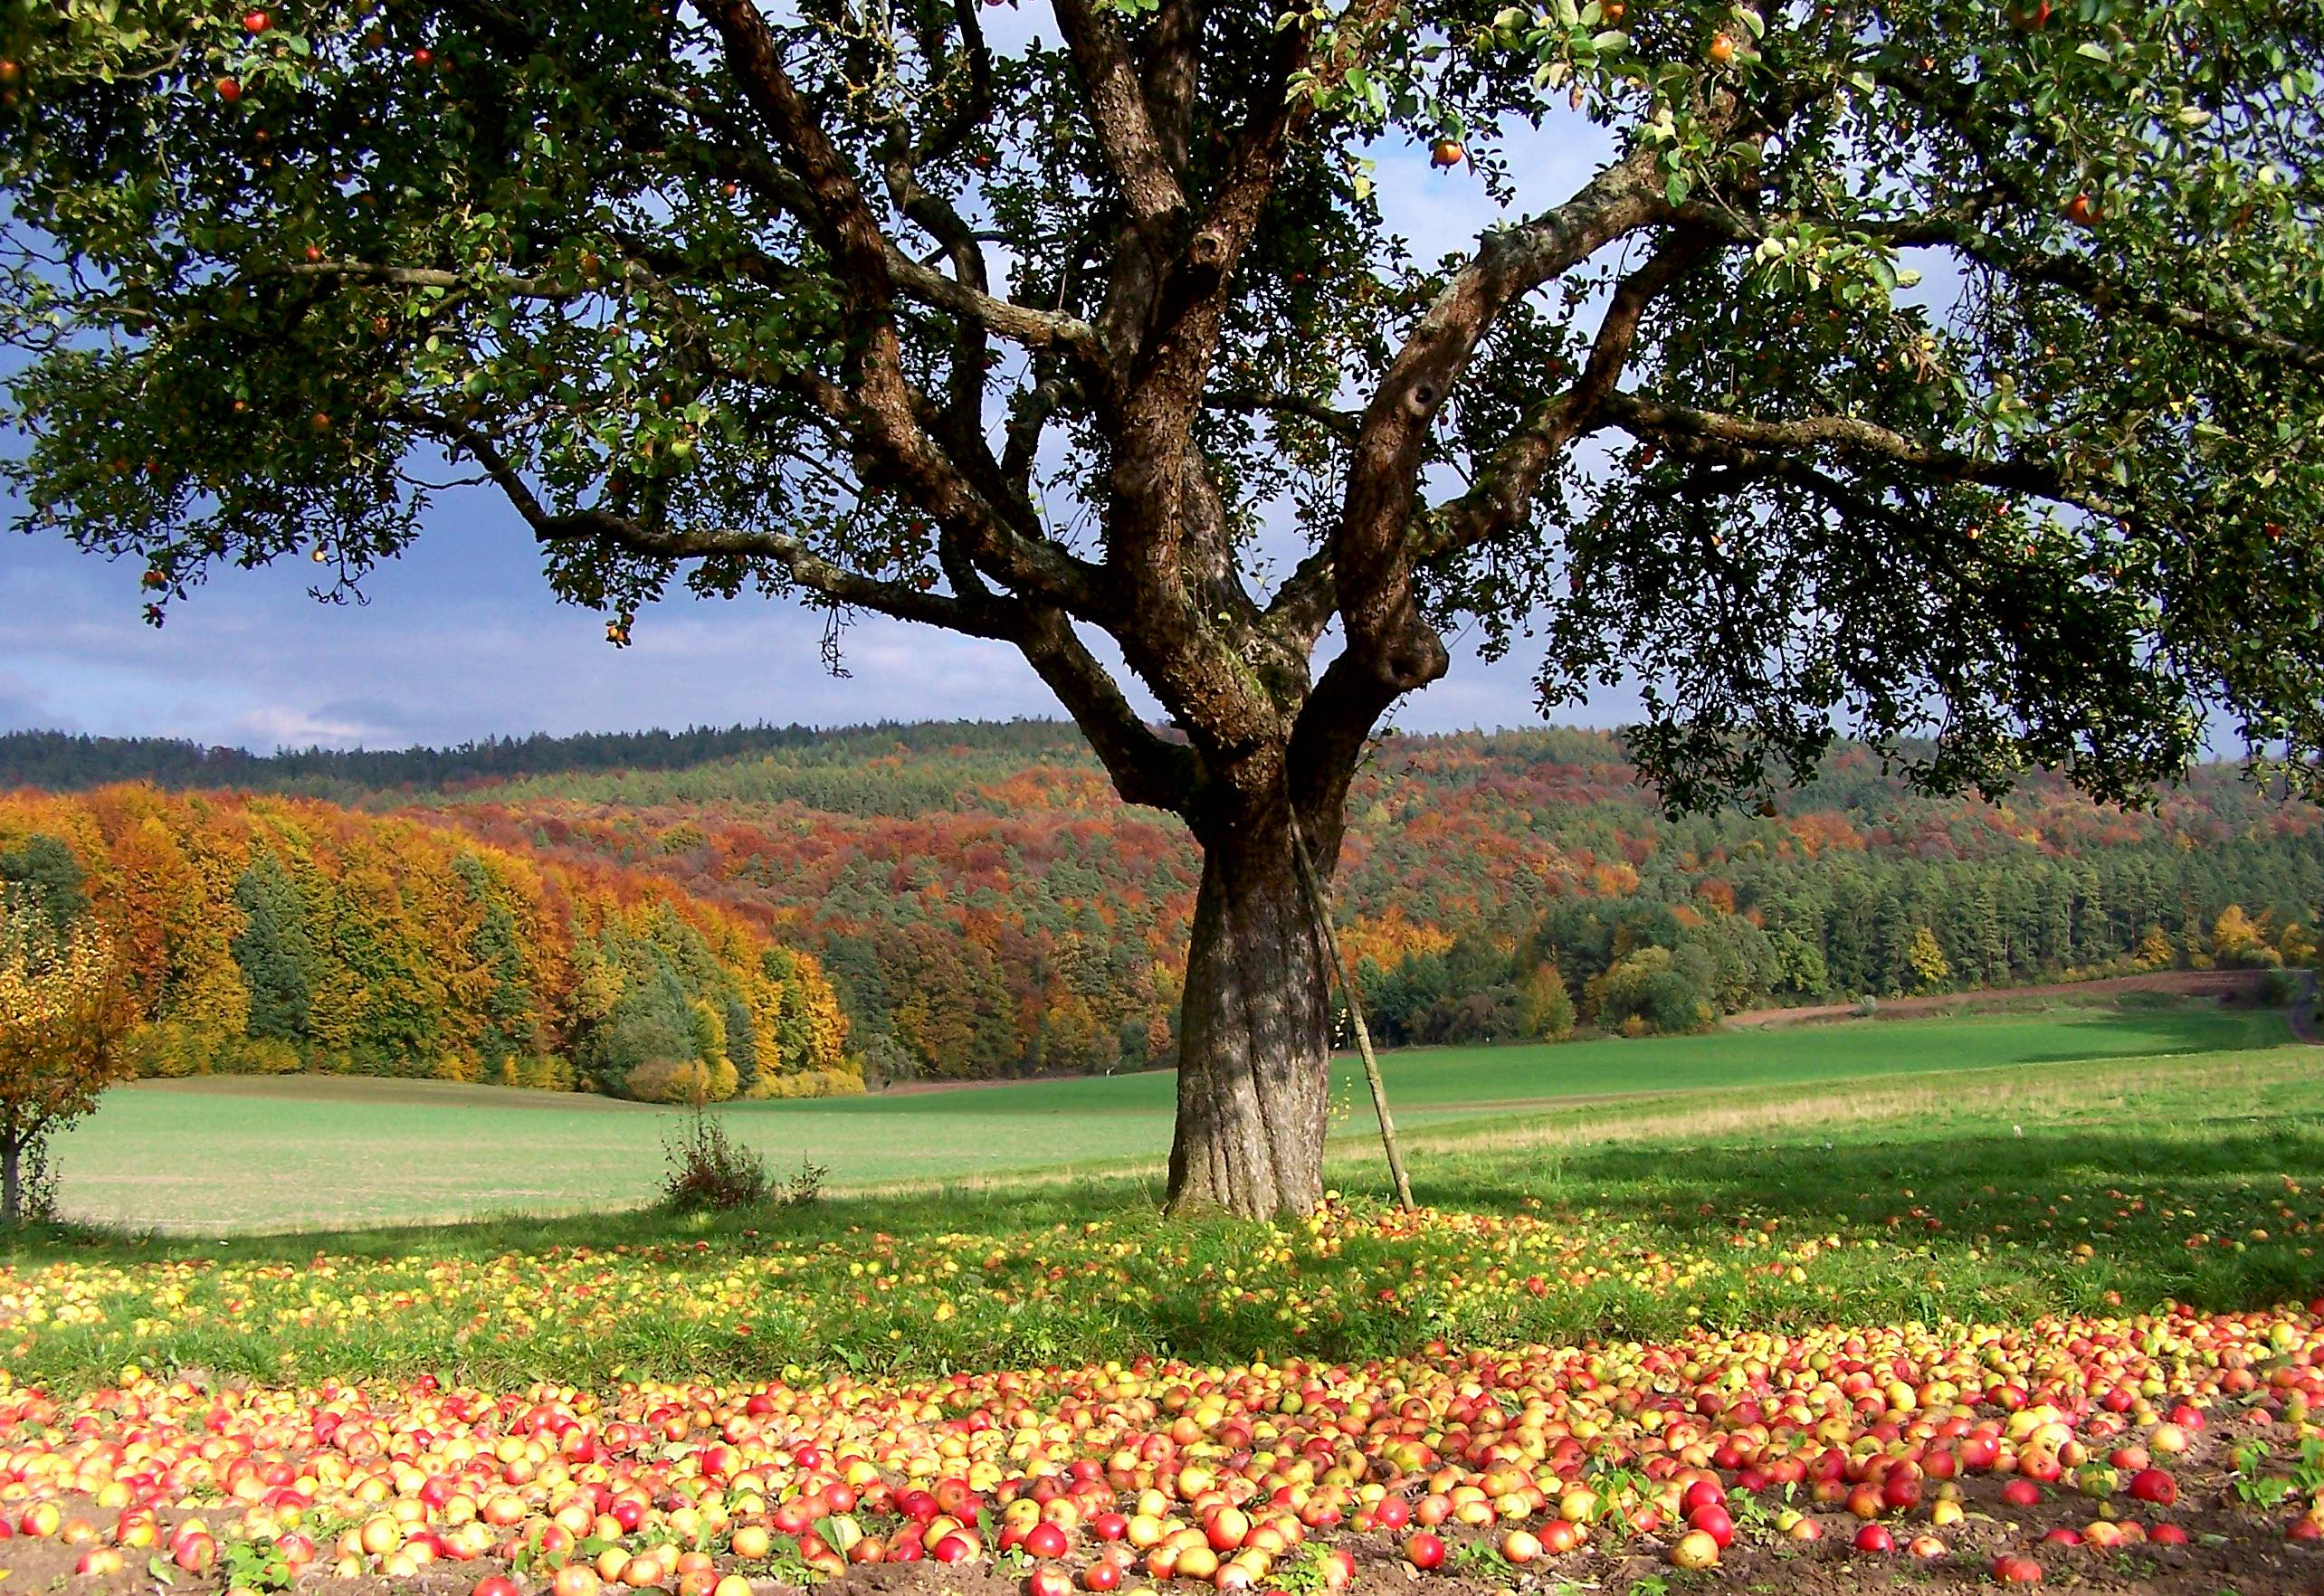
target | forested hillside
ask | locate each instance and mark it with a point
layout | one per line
(984, 905)
(265, 934)
(63, 762)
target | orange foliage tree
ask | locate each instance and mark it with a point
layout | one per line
(261, 935)
(64, 1004)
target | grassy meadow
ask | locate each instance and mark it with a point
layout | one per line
(224, 1156)
(2082, 1165)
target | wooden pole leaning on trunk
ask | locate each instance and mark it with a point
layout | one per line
(1312, 881)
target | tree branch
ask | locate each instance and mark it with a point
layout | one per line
(942, 221)
(884, 411)
(1133, 150)
(548, 290)
(1957, 229)
(1371, 550)
(1848, 435)
(1020, 324)
(1504, 490)
(801, 564)
(2106, 294)
(1340, 423)
(1145, 767)
(1169, 75)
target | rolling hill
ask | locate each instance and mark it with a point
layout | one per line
(983, 904)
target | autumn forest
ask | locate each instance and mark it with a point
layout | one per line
(781, 911)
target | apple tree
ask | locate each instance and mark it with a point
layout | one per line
(1940, 373)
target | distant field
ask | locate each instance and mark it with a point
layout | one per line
(223, 1155)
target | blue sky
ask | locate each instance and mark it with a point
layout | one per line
(461, 638)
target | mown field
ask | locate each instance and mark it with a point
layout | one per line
(2008, 1190)
(231, 1155)
(1867, 1330)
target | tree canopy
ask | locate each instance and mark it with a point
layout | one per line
(1921, 369)
(852, 302)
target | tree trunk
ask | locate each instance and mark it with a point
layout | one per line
(12, 1196)
(1254, 1033)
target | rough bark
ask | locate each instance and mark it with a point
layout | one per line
(1254, 1031)
(12, 1194)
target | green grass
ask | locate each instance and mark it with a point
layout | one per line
(2086, 1186)
(230, 1156)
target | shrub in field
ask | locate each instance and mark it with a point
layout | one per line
(668, 1080)
(884, 1064)
(544, 1072)
(1649, 991)
(710, 1169)
(170, 1051)
(2155, 951)
(809, 1083)
(806, 1186)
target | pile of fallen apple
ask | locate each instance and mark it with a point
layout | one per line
(1261, 1478)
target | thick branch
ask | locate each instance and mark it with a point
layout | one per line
(1340, 423)
(941, 220)
(839, 214)
(801, 564)
(1171, 72)
(1020, 324)
(1116, 100)
(1504, 490)
(548, 290)
(1372, 552)
(883, 411)
(1145, 767)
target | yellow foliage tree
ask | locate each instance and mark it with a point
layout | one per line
(1931, 967)
(2236, 941)
(65, 1003)
(2154, 950)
